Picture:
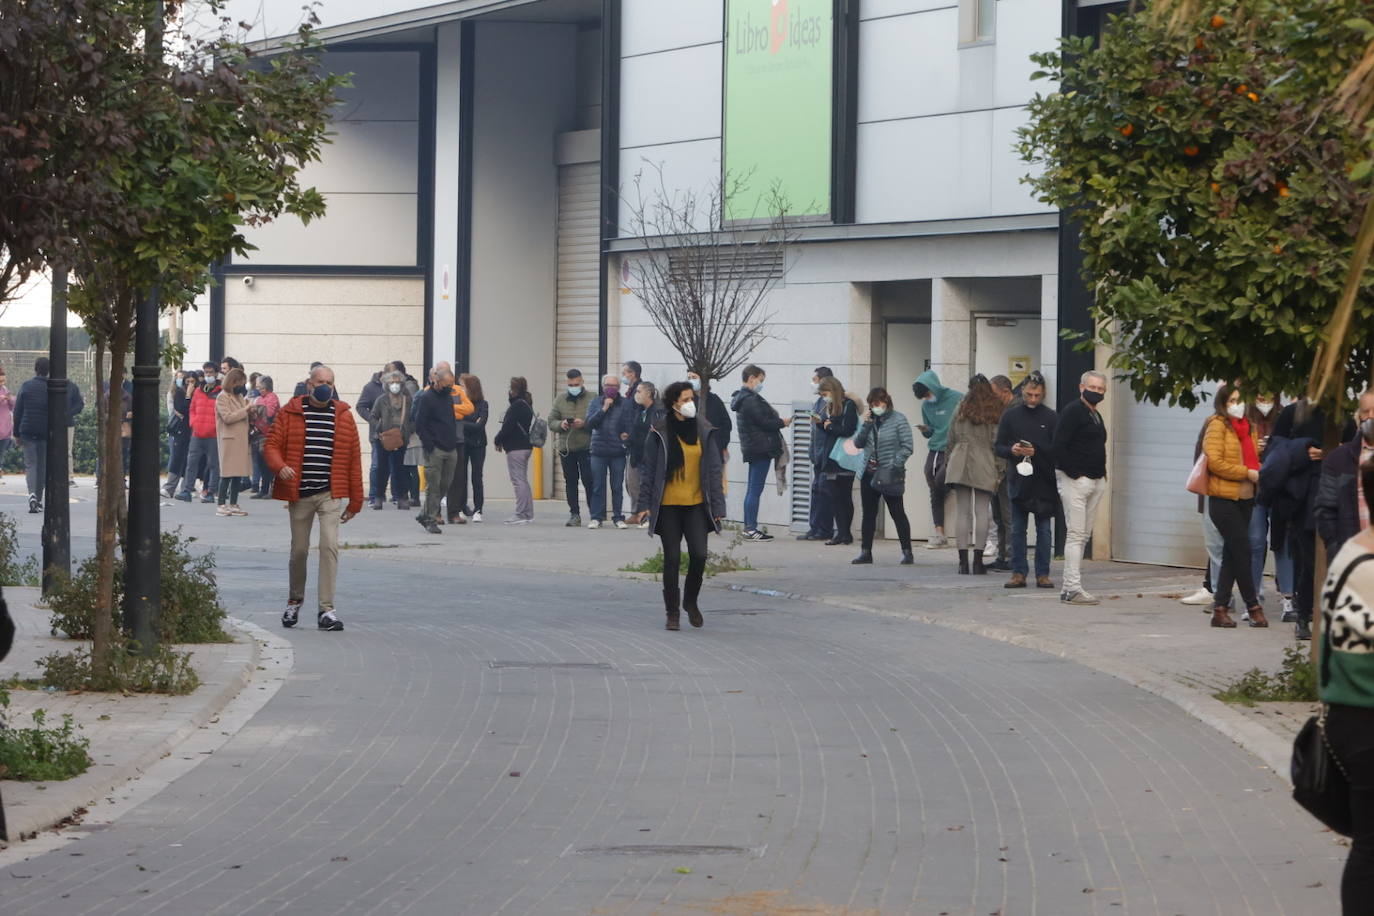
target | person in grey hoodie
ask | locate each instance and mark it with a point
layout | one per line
(936, 415)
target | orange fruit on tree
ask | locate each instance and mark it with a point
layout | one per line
(1218, 22)
(1216, 187)
(1190, 150)
(1241, 89)
(1127, 130)
(1278, 249)
(1252, 97)
(1199, 43)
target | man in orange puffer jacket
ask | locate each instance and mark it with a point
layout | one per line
(315, 457)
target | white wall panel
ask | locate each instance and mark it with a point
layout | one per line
(383, 85)
(670, 97)
(1024, 27)
(924, 169)
(1007, 193)
(872, 9)
(375, 157)
(357, 230)
(693, 167)
(656, 25)
(909, 66)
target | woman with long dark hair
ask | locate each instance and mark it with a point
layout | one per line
(681, 490)
(475, 442)
(839, 419)
(1233, 464)
(971, 471)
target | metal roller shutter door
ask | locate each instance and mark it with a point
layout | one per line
(578, 332)
(1154, 519)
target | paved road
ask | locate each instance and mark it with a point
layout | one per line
(483, 742)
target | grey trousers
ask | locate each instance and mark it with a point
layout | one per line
(36, 465)
(440, 465)
(518, 464)
(968, 512)
(632, 487)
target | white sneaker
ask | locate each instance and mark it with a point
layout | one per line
(990, 549)
(1201, 596)
(477, 517)
(936, 542)
(621, 524)
(594, 524)
(644, 524)
(224, 511)
(235, 510)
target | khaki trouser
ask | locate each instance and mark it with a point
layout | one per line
(1080, 497)
(302, 513)
(440, 466)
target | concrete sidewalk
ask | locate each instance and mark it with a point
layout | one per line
(128, 733)
(1139, 633)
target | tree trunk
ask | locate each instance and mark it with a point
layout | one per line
(110, 490)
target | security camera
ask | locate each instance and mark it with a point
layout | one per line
(247, 281)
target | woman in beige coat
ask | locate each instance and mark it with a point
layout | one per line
(971, 471)
(231, 430)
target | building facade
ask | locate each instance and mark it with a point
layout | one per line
(487, 159)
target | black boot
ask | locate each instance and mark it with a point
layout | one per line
(963, 562)
(978, 568)
(670, 605)
(907, 558)
(689, 602)
(865, 556)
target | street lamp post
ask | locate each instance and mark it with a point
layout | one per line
(57, 521)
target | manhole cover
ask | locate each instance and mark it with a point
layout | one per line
(666, 851)
(590, 666)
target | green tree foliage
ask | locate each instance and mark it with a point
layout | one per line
(1218, 190)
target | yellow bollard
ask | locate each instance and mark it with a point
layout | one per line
(537, 459)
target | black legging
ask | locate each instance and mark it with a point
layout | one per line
(1232, 518)
(870, 498)
(1302, 547)
(1350, 729)
(477, 458)
(229, 488)
(935, 480)
(841, 488)
(673, 523)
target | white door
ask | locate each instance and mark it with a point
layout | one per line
(577, 342)
(1006, 345)
(907, 356)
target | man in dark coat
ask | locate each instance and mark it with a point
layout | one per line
(376, 488)
(1298, 421)
(1034, 422)
(1338, 503)
(760, 441)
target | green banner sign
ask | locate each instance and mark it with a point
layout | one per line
(779, 59)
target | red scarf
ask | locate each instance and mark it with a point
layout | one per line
(1247, 445)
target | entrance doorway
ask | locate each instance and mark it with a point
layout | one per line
(906, 355)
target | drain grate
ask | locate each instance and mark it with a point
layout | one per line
(572, 666)
(667, 851)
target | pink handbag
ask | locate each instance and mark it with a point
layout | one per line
(1198, 478)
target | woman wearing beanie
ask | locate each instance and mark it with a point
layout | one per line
(681, 491)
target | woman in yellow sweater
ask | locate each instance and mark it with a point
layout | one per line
(1233, 468)
(680, 486)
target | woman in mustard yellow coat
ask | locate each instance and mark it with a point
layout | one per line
(1233, 465)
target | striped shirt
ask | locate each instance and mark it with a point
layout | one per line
(319, 448)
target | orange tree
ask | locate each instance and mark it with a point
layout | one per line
(1218, 188)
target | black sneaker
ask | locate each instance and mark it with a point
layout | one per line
(327, 621)
(290, 615)
(757, 535)
(33, 504)
(574, 521)
(1303, 631)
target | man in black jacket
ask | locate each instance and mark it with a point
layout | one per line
(376, 481)
(1338, 507)
(1080, 461)
(437, 428)
(1297, 421)
(31, 430)
(760, 441)
(1027, 431)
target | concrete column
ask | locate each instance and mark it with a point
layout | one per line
(447, 102)
(949, 332)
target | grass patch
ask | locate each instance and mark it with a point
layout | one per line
(40, 753)
(164, 672)
(716, 563)
(1294, 682)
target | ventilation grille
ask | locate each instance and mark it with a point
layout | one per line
(801, 465)
(757, 263)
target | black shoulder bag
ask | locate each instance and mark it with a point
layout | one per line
(1320, 783)
(888, 481)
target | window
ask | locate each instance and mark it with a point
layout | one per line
(977, 21)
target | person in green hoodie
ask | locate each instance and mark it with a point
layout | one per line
(936, 415)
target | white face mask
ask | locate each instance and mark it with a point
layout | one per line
(1236, 410)
(879, 409)
(395, 387)
(1264, 407)
(688, 410)
(815, 387)
(1024, 467)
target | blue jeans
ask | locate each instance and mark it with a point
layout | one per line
(1044, 541)
(753, 491)
(597, 495)
(1259, 550)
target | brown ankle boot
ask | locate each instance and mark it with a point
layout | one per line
(1017, 580)
(1257, 618)
(670, 605)
(1221, 617)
